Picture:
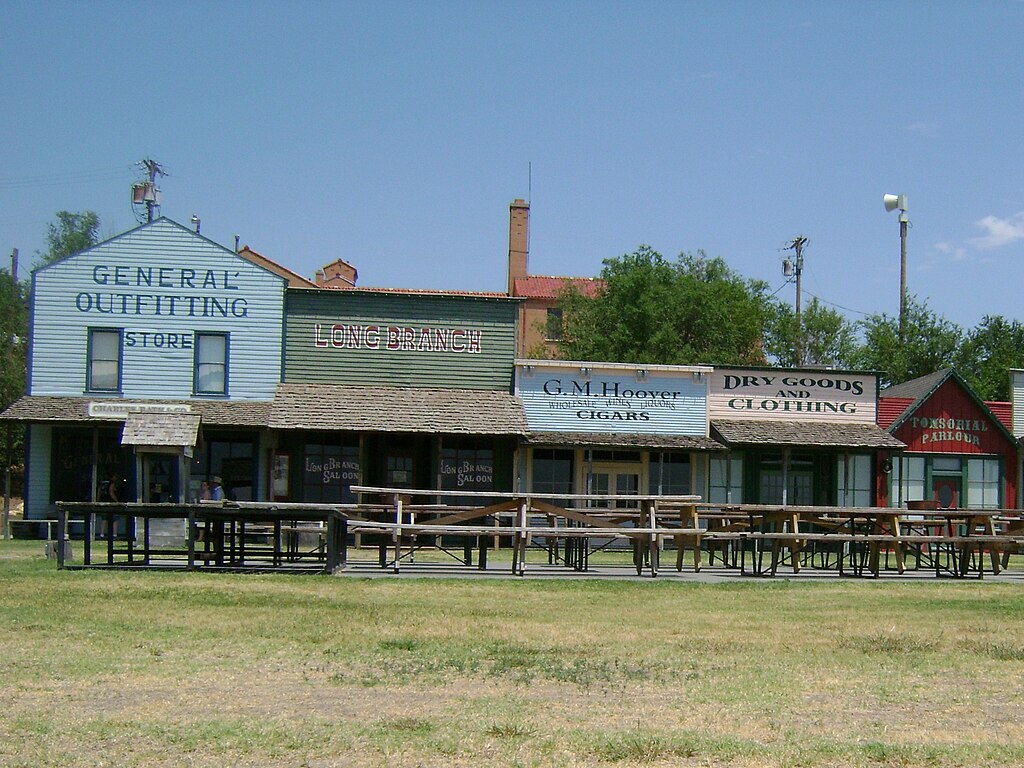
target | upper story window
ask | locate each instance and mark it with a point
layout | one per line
(211, 366)
(553, 327)
(103, 371)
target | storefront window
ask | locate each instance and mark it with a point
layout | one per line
(552, 471)
(467, 466)
(908, 480)
(329, 470)
(853, 479)
(670, 474)
(76, 451)
(726, 483)
(231, 459)
(983, 483)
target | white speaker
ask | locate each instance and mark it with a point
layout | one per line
(892, 202)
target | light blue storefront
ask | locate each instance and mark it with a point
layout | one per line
(165, 331)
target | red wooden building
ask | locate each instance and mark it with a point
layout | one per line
(960, 450)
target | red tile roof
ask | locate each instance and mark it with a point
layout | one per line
(1003, 412)
(891, 408)
(416, 291)
(540, 287)
(295, 280)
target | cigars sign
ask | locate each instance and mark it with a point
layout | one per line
(574, 399)
(793, 395)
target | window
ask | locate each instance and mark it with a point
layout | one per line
(670, 474)
(907, 481)
(467, 465)
(211, 372)
(329, 469)
(983, 483)
(552, 470)
(853, 480)
(104, 367)
(553, 328)
(726, 484)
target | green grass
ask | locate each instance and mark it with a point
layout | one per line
(160, 669)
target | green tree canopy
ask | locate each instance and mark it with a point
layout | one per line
(653, 310)
(70, 233)
(988, 353)
(13, 346)
(823, 338)
(931, 344)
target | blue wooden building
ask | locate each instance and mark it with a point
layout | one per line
(153, 358)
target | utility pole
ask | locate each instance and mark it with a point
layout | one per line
(146, 193)
(796, 269)
(153, 169)
(6, 521)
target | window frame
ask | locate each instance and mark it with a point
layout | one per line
(199, 336)
(90, 359)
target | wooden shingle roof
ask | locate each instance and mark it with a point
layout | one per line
(51, 408)
(812, 434)
(397, 409)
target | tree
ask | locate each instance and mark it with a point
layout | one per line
(13, 346)
(988, 352)
(931, 344)
(824, 338)
(70, 233)
(652, 310)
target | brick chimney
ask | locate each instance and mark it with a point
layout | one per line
(337, 274)
(518, 242)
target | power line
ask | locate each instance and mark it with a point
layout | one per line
(64, 178)
(833, 304)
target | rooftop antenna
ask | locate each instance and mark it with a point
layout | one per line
(146, 196)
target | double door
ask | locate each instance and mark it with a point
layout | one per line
(620, 481)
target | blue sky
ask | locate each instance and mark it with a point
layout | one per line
(395, 135)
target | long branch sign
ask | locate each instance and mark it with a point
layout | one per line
(793, 395)
(563, 399)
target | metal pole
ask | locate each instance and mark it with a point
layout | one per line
(798, 245)
(903, 276)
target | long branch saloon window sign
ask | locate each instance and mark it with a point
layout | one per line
(793, 395)
(570, 399)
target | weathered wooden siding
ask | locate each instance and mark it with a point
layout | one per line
(1017, 386)
(400, 339)
(40, 452)
(160, 284)
(950, 421)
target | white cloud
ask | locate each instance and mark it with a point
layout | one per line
(999, 232)
(955, 252)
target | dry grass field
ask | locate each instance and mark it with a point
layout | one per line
(175, 669)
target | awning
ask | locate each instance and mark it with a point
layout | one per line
(397, 409)
(161, 429)
(617, 440)
(51, 408)
(811, 434)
